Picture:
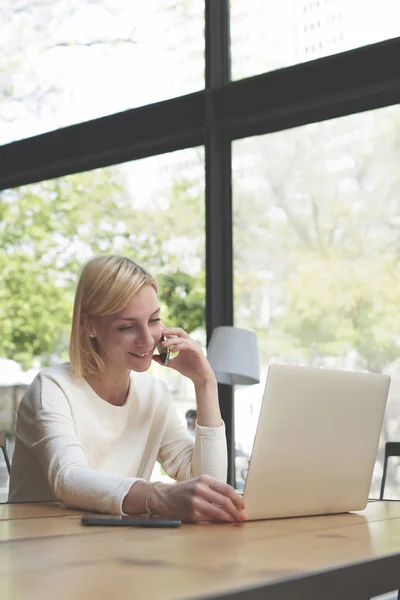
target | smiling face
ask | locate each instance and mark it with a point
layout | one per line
(127, 339)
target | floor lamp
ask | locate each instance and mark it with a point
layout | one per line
(233, 355)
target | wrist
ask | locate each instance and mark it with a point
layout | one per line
(149, 502)
(154, 499)
(134, 501)
(209, 383)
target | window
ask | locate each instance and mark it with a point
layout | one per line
(273, 45)
(316, 226)
(151, 210)
(96, 58)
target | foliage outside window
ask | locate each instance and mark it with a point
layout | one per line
(316, 261)
(49, 228)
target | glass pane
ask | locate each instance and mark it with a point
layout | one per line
(316, 251)
(68, 61)
(269, 35)
(151, 210)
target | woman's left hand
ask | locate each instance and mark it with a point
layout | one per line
(190, 360)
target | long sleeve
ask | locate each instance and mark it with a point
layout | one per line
(75, 447)
(184, 458)
(46, 428)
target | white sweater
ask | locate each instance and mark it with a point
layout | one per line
(75, 447)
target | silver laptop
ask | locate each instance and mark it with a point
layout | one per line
(316, 442)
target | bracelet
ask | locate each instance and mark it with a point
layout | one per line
(148, 510)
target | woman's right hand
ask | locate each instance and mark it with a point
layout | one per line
(201, 499)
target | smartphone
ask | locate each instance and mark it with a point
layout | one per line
(128, 521)
(163, 352)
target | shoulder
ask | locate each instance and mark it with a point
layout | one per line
(63, 377)
(51, 385)
(62, 373)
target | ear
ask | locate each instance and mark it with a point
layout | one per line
(87, 326)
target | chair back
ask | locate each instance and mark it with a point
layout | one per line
(391, 449)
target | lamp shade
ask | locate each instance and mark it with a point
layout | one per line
(233, 356)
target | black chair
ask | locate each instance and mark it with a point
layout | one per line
(391, 449)
(3, 445)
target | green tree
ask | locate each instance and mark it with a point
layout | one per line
(317, 212)
(45, 230)
(49, 228)
(317, 217)
(335, 306)
(182, 297)
(33, 310)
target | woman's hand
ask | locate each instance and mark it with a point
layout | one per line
(192, 363)
(190, 360)
(200, 499)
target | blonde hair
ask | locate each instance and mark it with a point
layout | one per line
(105, 286)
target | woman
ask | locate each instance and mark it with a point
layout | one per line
(90, 431)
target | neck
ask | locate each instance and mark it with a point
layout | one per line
(112, 386)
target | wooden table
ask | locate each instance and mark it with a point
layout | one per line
(46, 553)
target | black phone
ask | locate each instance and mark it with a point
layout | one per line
(163, 352)
(128, 521)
